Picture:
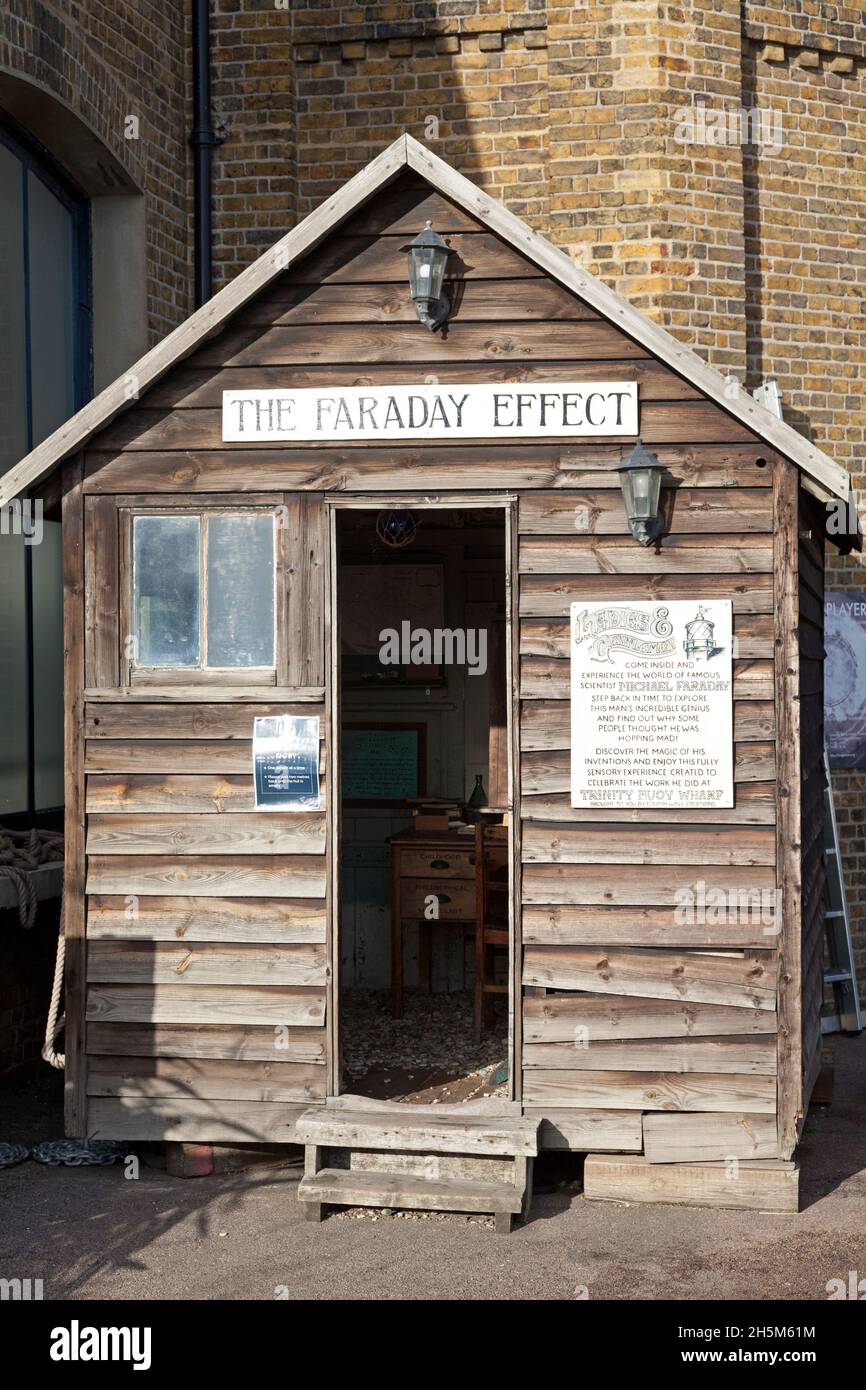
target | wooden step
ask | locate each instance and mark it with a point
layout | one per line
(411, 1130)
(770, 1185)
(347, 1187)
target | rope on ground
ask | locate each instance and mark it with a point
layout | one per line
(77, 1153)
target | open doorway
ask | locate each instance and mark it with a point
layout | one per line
(423, 942)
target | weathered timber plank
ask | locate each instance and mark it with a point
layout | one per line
(724, 465)
(420, 1132)
(657, 974)
(353, 1188)
(305, 549)
(206, 963)
(75, 1100)
(581, 1130)
(254, 833)
(148, 792)
(355, 259)
(791, 1106)
(251, 1043)
(242, 920)
(650, 885)
(551, 596)
(177, 721)
(631, 1090)
(163, 687)
(630, 1178)
(602, 844)
(178, 1078)
(686, 510)
(753, 1056)
(751, 925)
(705, 1138)
(217, 876)
(482, 301)
(101, 606)
(679, 555)
(206, 1004)
(193, 1121)
(430, 466)
(554, 1018)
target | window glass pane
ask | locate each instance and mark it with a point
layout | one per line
(48, 666)
(52, 280)
(13, 686)
(166, 590)
(240, 591)
(13, 396)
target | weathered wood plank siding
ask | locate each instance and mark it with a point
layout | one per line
(813, 872)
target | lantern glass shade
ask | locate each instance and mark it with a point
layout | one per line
(640, 478)
(641, 488)
(428, 257)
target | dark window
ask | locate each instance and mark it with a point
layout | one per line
(45, 376)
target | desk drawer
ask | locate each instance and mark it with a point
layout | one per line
(436, 863)
(456, 899)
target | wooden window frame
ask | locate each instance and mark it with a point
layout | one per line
(167, 677)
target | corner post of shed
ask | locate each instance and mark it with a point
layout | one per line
(786, 607)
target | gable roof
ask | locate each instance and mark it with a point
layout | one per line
(822, 476)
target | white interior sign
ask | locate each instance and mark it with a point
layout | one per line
(487, 411)
(652, 704)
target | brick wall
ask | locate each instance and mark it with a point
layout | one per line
(254, 170)
(107, 62)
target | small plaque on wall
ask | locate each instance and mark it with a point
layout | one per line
(286, 763)
(652, 704)
(382, 764)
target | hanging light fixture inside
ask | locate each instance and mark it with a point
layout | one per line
(396, 527)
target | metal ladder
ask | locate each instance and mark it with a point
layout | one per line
(840, 975)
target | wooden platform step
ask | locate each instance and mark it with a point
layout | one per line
(351, 1188)
(412, 1129)
(418, 1157)
(770, 1185)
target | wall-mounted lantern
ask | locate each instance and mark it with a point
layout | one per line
(640, 477)
(428, 256)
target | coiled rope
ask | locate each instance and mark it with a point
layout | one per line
(22, 851)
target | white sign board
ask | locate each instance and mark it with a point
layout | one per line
(652, 704)
(488, 411)
(286, 762)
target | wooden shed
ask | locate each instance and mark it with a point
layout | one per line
(231, 507)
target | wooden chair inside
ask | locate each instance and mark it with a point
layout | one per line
(491, 917)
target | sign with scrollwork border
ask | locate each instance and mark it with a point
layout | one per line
(652, 704)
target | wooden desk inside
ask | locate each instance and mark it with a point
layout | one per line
(440, 862)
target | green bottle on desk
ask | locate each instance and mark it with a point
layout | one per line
(479, 795)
